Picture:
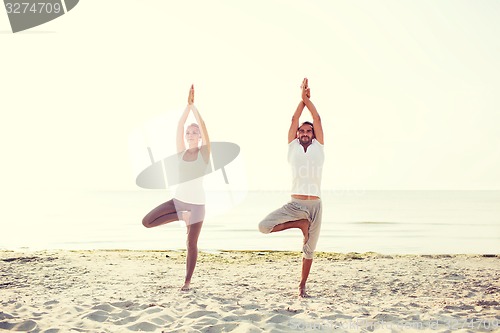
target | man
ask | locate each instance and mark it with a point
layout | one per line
(306, 157)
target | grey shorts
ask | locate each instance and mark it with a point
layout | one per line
(197, 211)
(297, 209)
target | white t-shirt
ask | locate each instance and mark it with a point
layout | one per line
(307, 167)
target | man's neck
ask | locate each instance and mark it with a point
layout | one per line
(305, 145)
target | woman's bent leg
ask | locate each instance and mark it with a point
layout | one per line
(162, 214)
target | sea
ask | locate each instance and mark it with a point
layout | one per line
(388, 222)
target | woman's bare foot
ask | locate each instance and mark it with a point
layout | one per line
(185, 287)
(302, 292)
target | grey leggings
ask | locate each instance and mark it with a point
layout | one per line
(172, 211)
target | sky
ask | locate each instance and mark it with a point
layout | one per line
(407, 91)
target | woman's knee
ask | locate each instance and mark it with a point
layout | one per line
(149, 218)
(145, 223)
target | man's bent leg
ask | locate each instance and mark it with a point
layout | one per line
(291, 215)
(277, 219)
(302, 224)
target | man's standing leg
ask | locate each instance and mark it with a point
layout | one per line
(306, 268)
(310, 245)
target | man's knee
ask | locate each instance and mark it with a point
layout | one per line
(264, 227)
(307, 255)
(307, 251)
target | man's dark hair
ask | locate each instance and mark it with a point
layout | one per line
(308, 123)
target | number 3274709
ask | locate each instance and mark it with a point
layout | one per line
(33, 8)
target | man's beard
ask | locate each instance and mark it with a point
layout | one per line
(305, 139)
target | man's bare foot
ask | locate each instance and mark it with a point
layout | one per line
(302, 292)
(304, 227)
(185, 287)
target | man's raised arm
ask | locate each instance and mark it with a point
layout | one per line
(292, 132)
(318, 128)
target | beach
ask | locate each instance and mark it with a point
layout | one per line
(247, 291)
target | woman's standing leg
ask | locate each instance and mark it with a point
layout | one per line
(192, 251)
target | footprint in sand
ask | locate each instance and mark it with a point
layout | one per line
(143, 327)
(198, 314)
(278, 319)
(99, 316)
(25, 326)
(126, 320)
(104, 307)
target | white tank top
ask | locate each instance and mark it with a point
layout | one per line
(192, 191)
(307, 167)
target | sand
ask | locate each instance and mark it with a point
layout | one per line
(138, 291)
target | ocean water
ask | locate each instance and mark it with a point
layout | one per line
(404, 222)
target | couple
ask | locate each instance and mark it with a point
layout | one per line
(306, 157)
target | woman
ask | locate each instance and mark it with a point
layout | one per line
(188, 203)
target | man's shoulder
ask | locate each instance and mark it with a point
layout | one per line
(293, 144)
(316, 142)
